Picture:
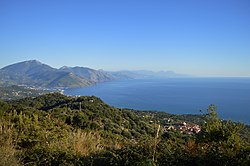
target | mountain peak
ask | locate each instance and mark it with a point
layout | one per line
(33, 61)
(29, 62)
(35, 73)
(64, 68)
(28, 67)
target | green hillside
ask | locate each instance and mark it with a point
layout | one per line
(55, 129)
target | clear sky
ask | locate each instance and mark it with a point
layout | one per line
(199, 37)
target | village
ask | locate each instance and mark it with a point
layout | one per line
(169, 124)
(183, 127)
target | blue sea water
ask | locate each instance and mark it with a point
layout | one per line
(177, 95)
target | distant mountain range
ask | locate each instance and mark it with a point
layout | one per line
(126, 74)
(37, 74)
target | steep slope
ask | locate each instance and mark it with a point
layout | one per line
(90, 74)
(35, 73)
(28, 68)
(12, 78)
(65, 79)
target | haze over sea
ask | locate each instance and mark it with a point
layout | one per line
(177, 95)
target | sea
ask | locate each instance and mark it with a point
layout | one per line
(176, 95)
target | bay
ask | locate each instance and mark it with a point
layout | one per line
(176, 95)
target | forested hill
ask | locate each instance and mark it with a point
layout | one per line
(86, 113)
(55, 129)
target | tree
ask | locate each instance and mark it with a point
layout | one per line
(220, 141)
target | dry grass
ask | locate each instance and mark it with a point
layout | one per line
(7, 147)
(85, 143)
(81, 143)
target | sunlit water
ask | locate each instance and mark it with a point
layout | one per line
(177, 95)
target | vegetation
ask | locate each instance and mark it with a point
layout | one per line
(54, 129)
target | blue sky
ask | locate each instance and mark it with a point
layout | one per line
(199, 37)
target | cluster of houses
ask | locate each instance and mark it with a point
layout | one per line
(182, 127)
(169, 124)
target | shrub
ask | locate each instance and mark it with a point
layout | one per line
(8, 153)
